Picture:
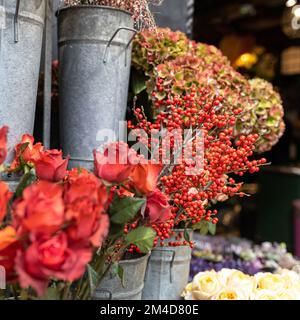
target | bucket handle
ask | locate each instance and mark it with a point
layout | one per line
(16, 21)
(171, 262)
(106, 291)
(112, 38)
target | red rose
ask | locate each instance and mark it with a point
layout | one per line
(41, 210)
(8, 249)
(5, 196)
(29, 151)
(157, 207)
(144, 177)
(85, 200)
(51, 257)
(51, 166)
(74, 173)
(116, 163)
(3, 142)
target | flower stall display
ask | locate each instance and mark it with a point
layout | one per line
(232, 284)
(169, 64)
(216, 253)
(62, 231)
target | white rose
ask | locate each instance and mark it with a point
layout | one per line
(264, 295)
(205, 285)
(187, 292)
(269, 281)
(242, 282)
(291, 279)
(224, 274)
(288, 295)
(275, 295)
(230, 294)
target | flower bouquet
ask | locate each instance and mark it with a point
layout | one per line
(231, 284)
(61, 231)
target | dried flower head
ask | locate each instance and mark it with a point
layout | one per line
(139, 8)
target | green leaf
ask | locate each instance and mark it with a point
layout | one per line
(124, 210)
(27, 180)
(52, 293)
(93, 278)
(138, 82)
(204, 229)
(202, 226)
(121, 275)
(212, 228)
(142, 237)
(24, 146)
(186, 235)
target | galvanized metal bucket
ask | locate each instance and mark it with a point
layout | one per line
(134, 273)
(95, 58)
(167, 271)
(21, 34)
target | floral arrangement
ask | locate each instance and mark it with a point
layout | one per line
(139, 9)
(61, 231)
(267, 114)
(171, 65)
(204, 176)
(231, 284)
(218, 252)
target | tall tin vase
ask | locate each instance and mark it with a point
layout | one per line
(167, 271)
(95, 57)
(21, 36)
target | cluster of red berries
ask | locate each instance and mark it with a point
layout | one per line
(224, 155)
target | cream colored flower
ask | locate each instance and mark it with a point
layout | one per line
(224, 274)
(230, 294)
(205, 285)
(269, 281)
(291, 279)
(187, 292)
(288, 295)
(265, 295)
(275, 295)
(242, 282)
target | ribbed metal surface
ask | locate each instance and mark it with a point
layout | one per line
(20, 53)
(134, 273)
(167, 272)
(94, 77)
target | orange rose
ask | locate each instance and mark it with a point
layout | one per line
(5, 196)
(116, 163)
(3, 142)
(85, 200)
(157, 207)
(144, 177)
(29, 152)
(41, 209)
(51, 166)
(51, 257)
(8, 249)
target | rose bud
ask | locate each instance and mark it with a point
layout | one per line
(144, 177)
(116, 163)
(157, 207)
(51, 166)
